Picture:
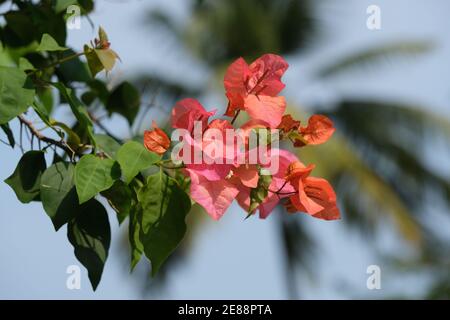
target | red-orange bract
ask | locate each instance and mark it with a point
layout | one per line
(255, 87)
(320, 128)
(156, 140)
(314, 196)
(288, 124)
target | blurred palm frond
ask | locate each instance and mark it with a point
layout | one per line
(376, 55)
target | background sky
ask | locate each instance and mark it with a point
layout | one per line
(233, 258)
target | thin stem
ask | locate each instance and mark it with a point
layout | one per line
(4, 142)
(284, 184)
(21, 138)
(147, 107)
(172, 168)
(60, 144)
(60, 61)
(278, 192)
(235, 116)
(65, 59)
(282, 193)
(103, 127)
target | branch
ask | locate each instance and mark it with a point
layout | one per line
(60, 144)
(58, 62)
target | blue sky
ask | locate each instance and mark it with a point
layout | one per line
(235, 258)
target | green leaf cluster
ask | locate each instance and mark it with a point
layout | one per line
(77, 167)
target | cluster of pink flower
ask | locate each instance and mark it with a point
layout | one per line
(254, 89)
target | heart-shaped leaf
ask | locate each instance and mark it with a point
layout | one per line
(134, 157)
(49, 44)
(107, 144)
(90, 234)
(119, 197)
(93, 175)
(25, 181)
(58, 194)
(16, 93)
(164, 206)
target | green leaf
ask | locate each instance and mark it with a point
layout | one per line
(90, 235)
(9, 134)
(87, 5)
(94, 63)
(103, 37)
(15, 93)
(134, 157)
(49, 44)
(93, 175)
(99, 59)
(73, 70)
(107, 144)
(79, 111)
(119, 198)
(58, 194)
(25, 180)
(25, 65)
(162, 218)
(61, 5)
(98, 90)
(46, 99)
(42, 112)
(134, 229)
(124, 100)
(19, 29)
(258, 194)
(107, 57)
(72, 138)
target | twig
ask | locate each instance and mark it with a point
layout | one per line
(60, 144)
(102, 126)
(171, 168)
(21, 138)
(147, 108)
(60, 61)
(235, 116)
(4, 142)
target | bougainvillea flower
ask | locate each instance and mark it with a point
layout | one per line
(232, 166)
(215, 144)
(246, 130)
(261, 78)
(314, 196)
(215, 192)
(320, 128)
(247, 175)
(288, 123)
(211, 171)
(297, 171)
(244, 177)
(156, 140)
(265, 108)
(214, 196)
(235, 82)
(284, 158)
(187, 111)
(265, 75)
(278, 182)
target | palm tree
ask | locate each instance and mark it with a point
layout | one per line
(377, 166)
